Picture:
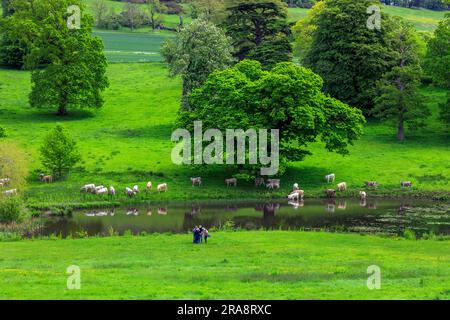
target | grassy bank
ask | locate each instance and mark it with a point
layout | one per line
(276, 265)
(127, 142)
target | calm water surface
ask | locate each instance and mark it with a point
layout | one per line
(376, 216)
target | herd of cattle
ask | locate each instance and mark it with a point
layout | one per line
(271, 184)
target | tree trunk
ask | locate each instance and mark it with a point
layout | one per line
(401, 131)
(62, 111)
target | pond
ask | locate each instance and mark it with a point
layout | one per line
(376, 216)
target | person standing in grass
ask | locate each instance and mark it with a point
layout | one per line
(205, 234)
(197, 235)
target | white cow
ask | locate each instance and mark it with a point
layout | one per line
(89, 188)
(162, 187)
(330, 177)
(296, 195)
(10, 193)
(136, 189)
(342, 186)
(149, 186)
(129, 192)
(101, 191)
(112, 191)
(363, 195)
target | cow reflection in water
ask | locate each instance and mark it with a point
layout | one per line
(162, 211)
(330, 205)
(363, 203)
(372, 205)
(297, 204)
(342, 205)
(149, 212)
(132, 212)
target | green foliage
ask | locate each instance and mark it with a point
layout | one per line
(69, 63)
(2, 132)
(260, 31)
(198, 50)
(11, 209)
(347, 54)
(304, 29)
(288, 98)
(59, 153)
(398, 99)
(438, 57)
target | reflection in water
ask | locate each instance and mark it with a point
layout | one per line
(387, 216)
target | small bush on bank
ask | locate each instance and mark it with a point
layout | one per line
(11, 210)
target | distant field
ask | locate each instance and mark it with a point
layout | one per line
(423, 19)
(170, 20)
(132, 46)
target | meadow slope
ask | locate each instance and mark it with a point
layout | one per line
(127, 142)
(276, 265)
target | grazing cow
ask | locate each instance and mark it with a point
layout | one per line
(231, 182)
(342, 186)
(162, 211)
(362, 195)
(162, 187)
(330, 177)
(149, 186)
(259, 181)
(407, 184)
(133, 212)
(4, 182)
(101, 191)
(296, 195)
(46, 179)
(330, 193)
(371, 184)
(196, 181)
(129, 192)
(112, 191)
(89, 188)
(136, 189)
(10, 193)
(273, 183)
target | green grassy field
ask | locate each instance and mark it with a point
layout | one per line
(127, 142)
(422, 19)
(276, 265)
(132, 46)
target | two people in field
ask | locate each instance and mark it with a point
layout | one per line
(200, 234)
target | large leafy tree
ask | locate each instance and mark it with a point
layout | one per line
(398, 98)
(198, 50)
(348, 55)
(260, 31)
(69, 63)
(59, 153)
(438, 62)
(288, 98)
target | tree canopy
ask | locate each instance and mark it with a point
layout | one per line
(260, 31)
(288, 98)
(59, 152)
(398, 99)
(68, 63)
(198, 50)
(348, 55)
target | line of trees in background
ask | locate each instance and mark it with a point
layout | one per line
(380, 71)
(136, 14)
(428, 4)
